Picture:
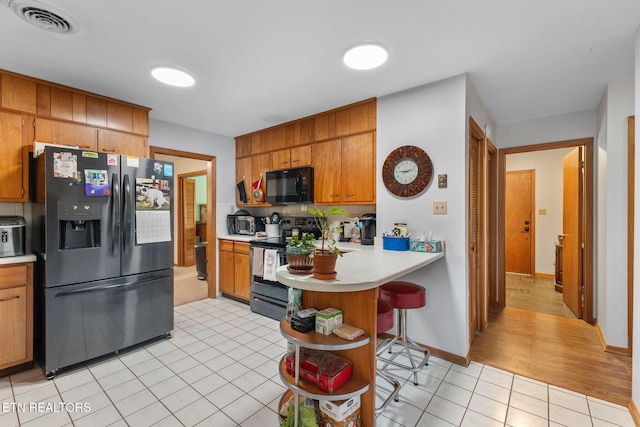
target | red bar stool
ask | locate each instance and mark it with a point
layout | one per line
(384, 323)
(403, 296)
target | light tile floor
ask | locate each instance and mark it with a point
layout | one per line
(221, 369)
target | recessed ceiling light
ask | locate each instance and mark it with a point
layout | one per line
(365, 56)
(173, 76)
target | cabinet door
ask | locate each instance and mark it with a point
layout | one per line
(301, 156)
(327, 171)
(13, 158)
(65, 133)
(226, 271)
(281, 159)
(13, 318)
(122, 143)
(242, 276)
(358, 168)
(260, 164)
(243, 172)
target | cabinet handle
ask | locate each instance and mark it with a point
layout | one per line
(9, 299)
(333, 195)
(108, 151)
(350, 195)
(86, 147)
(296, 161)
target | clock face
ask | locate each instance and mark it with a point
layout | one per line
(407, 171)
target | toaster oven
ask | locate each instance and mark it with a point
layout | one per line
(12, 229)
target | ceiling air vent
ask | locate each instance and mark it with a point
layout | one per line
(44, 16)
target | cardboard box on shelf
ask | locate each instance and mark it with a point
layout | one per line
(340, 413)
(327, 320)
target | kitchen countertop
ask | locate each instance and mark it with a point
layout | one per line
(17, 259)
(238, 237)
(360, 268)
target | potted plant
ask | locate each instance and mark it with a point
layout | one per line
(299, 251)
(325, 256)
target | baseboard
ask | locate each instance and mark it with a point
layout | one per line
(609, 348)
(441, 354)
(633, 410)
(547, 275)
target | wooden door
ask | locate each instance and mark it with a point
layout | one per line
(520, 227)
(572, 223)
(327, 160)
(358, 168)
(189, 221)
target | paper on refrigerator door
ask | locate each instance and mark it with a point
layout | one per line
(153, 227)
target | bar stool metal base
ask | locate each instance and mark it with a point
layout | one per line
(407, 346)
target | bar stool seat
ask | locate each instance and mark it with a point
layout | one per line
(403, 296)
(384, 323)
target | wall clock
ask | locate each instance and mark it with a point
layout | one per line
(407, 171)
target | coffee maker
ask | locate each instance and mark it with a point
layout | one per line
(367, 229)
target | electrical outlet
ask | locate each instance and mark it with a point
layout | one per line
(440, 207)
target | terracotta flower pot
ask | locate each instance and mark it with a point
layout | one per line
(324, 266)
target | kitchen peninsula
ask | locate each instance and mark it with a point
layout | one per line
(355, 291)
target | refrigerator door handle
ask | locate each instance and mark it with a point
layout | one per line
(126, 229)
(110, 287)
(115, 215)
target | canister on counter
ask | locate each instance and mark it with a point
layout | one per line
(400, 229)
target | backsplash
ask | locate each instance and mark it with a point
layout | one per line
(10, 209)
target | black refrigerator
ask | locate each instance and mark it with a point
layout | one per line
(103, 236)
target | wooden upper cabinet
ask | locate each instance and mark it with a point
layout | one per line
(141, 121)
(110, 141)
(274, 139)
(257, 143)
(119, 116)
(96, 111)
(19, 94)
(79, 107)
(13, 157)
(281, 159)
(358, 168)
(301, 156)
(243, 174)
(260, 164)
(65, 133)
(61, 103)
(327, 161)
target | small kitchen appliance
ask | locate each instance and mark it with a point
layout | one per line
(367, 229)
(12, 236)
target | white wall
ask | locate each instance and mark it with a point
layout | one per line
(611, 291)
(432, 117)
(548, 168)
(168, 135)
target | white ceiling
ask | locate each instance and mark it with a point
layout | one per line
(259, 63)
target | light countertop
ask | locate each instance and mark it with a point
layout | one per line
(238, 237)
(361, 268)
(17, 259)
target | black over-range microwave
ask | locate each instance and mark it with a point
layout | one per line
(290, 186)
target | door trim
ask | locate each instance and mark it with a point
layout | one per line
(211, 209)
(588, 200)
(631, 135)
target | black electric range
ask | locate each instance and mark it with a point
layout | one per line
(268, 297)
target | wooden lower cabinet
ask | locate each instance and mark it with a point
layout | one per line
(234, 269)
(16, 316)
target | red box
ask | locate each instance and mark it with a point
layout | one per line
(324, 369)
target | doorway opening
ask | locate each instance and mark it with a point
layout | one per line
(535, 190)
(546, 220)
(202, 165)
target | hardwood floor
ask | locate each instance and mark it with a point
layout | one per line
(556, 350)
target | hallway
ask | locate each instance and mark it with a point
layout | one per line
(556, 350)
